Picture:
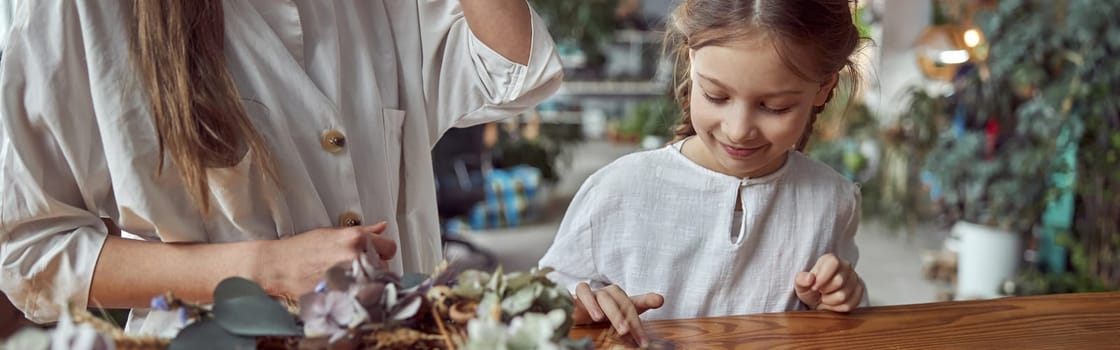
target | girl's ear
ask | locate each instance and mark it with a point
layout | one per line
(826, 89)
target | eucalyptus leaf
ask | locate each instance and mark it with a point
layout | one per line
(541, 272)
(412, 279)
(486, 334)
(531, 331)
(255, 316)
(497, 282)
(469, 291)
(471, 284)
(473, 277)
(235, 287)
(487, 307)
(207, 334)
(521, 300)
(517, 280)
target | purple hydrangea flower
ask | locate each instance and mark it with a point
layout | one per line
(326, 313)
(160, 303)
(183, 315)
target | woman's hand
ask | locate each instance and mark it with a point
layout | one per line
(294, 266)
(832, 285)
(612, 304)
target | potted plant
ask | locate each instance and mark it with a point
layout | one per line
(1017, 120)
(989, 170)
(1076, 71)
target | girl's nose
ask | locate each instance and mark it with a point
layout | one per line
(740, 127)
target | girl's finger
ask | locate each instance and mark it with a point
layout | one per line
(613, 311)
(825, 269)
(587, 298)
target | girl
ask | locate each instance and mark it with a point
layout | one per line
(731, 218)
(263, 138)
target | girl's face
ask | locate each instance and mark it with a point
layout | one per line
(748, 108)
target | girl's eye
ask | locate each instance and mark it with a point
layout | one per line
(715, 100)
(774, 110)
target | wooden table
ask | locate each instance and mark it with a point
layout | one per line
(1063, 321)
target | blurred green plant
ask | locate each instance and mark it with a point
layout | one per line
(993, 165)
(664, 114)
(1069, 60)
(862, 18)
(634, 122)
(1095, 242)
(542, 154)
(548, 152)
(655, 116)
(841, 130)
(897, 196)
(587, 24)
(849, 138)
(1049, 83)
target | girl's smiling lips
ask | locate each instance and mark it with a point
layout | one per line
(740, 152)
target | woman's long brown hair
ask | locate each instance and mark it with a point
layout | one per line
(177, 47)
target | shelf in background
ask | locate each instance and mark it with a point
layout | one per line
(613, 88)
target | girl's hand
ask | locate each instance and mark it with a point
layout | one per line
(611, 303)
(294, 266)
(832, 285)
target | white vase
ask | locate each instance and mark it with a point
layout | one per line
(987, 256)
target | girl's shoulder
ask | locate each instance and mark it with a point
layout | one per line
(643, 159)
(633, 166)
(841, 198)
(805, 171)
(637, 163)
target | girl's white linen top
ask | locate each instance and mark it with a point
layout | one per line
(655, 221)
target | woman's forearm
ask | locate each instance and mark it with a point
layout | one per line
(503, 25)
(130, 272)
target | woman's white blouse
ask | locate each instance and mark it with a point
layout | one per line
(387, 78)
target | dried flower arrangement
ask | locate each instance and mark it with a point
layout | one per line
(362, 305)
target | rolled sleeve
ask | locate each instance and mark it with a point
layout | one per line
(513, 81)
(50, 236)
(469, 83)
(44, 272)
(49, 245)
